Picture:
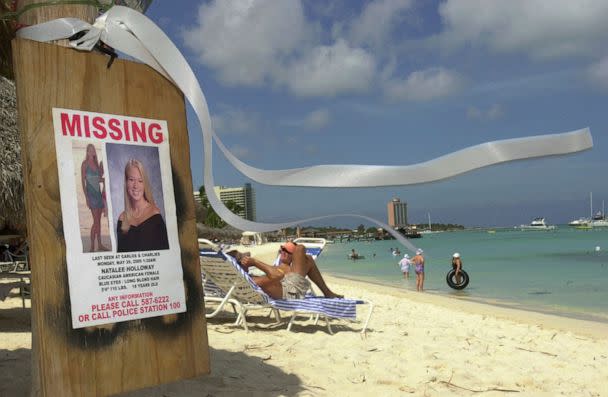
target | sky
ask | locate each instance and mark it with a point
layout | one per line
(296, 83)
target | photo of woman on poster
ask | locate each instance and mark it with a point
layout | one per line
(140, 226)
(92, 176)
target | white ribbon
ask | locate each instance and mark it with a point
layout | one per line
(132, 33)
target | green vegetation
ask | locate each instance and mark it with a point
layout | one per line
(207, 216)
(439, 226)
(290, 231)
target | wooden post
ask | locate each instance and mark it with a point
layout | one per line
(129, 355)
(49, 12)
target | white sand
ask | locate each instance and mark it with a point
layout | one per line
(417, 344)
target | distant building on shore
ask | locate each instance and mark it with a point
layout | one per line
(397, 213)
(243, 196)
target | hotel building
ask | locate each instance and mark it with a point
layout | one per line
(244, 197)
(397, 213)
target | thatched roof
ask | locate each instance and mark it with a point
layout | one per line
(227, 232)
(12, 211)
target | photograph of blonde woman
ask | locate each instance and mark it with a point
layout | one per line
(140, 224)
(94, 229)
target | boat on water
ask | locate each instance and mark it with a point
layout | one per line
(430, 229)
(579, 222)
(586, 223)
(599, 220)
(536, 224)
(410, 232)
(595, 220)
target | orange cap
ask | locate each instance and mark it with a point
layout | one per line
(289, 247)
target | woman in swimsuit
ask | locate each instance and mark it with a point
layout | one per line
(91, 176)
(418, 262)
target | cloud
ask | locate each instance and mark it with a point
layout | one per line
(240, 151)
(332, 70)
(235, 122)
(251, 43)
(242, 40)
(424, 85)
(377, 21)
(540, 28)
(597, 73)
(317, 119)
(494, 112)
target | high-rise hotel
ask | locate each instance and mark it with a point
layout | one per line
(397, 213)
(244, 197)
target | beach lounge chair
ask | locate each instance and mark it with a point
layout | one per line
(223, 284)
(7, 285)
(12, 262)
(225, 281)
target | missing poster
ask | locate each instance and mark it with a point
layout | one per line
(122, 248)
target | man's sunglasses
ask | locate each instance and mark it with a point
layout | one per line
(284, 250)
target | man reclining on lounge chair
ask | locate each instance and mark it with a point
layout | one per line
(287, 280)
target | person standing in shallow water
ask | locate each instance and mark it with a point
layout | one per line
(418, 262)
(140, 226)
(405, 266)
(91, 175)
(457, 266)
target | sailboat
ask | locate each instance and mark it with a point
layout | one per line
(430, 229)
(599, 220)
(584, 223)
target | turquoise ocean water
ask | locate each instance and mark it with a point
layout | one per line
(558, 272)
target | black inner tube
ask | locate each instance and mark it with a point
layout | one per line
(451, 279)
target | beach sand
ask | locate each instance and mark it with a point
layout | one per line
(417, 344)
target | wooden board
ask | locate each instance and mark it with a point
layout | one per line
(129, 355)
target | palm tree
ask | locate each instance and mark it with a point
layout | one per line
(210, 217)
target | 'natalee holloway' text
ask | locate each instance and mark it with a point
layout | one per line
(127, 270)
